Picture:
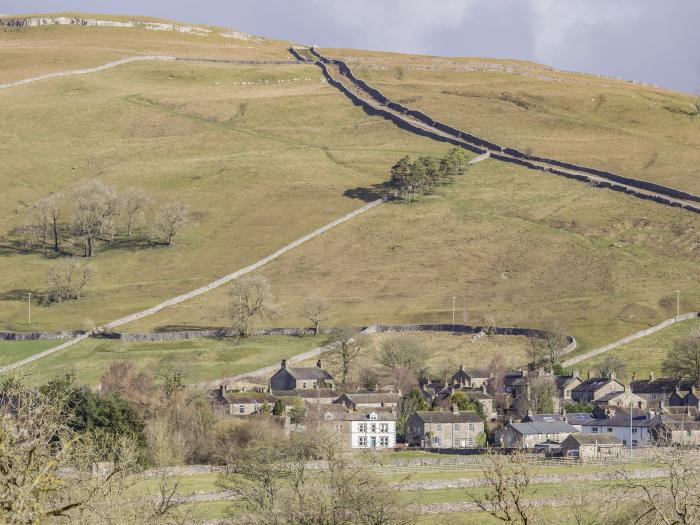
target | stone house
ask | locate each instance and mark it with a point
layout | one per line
(304, 378)
(629, 426)
(363, 429)
(565, 384)
(623, 399)
(689, 399)
(240, 403)
(592, 446)
(594, 388)
(471, 379)
(657, 391)
(529, 435)
(358, 400)
(448, 429)
(677, 429)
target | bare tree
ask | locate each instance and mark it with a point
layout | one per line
(251, 301)
(538, 396)
(96, 207)
(507, 480)
(66, 279)
(610, 364)
(170, 220)
(317, 310)
(683, 359)
(133, 202)
(349, 345)
(548, 348)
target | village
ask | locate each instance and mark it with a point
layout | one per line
(593, 417)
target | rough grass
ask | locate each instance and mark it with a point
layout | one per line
(636, 130)
(201, 359)
(644, 355)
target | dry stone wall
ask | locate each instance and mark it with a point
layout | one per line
(37, 336)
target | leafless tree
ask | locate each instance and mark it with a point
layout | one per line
(348, 347)
(317, 310)
(170, 220)
(251, 301)
(610, 364)
(45, 215)
(538, 396)
(66, 279)
(683, 359)
(133, 203)
(507, 479)
(673, 498)
(96, 207)
(549, 348)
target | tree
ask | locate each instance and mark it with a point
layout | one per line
(137, 387)
(66, 279)
(278, 408)
(403, 359)
(44, 216)
(172, 379)
(251, 301)
(170, 219)
(507, 480)
(466, 403)
(542, 392)
(96, 207)
(429, 172)
(579, 407)
(133, 202)
(401, 178)
(683, 359)
(610, 364)
(368, 379)
(348, 347)
(548, 348)
(317, 310)
(453, 164)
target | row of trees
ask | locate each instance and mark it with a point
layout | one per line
(413, 179)
(96, 212)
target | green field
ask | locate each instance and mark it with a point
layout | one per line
(644, 355)
(201, 359)
(12, 351)
(640, 131)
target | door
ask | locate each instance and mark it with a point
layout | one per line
(373, 442)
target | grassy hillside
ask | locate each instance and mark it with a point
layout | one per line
(636, 130)
(644, 355)
(264, 154)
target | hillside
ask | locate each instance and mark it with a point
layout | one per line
(263, 154)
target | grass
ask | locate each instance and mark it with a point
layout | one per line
(644, 355)
(636, 130)
(12, 351)
(202, 359)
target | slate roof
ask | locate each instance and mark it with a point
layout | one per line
(678, 422)
(609, 397)
(661, 385)
(621, 419)
(364, 416)
(309, 373)
(543, 418)
(591, 385)
(448, 417)
(599, 438)
(578, 418)
(371, 397)
(562, 381)
(555, 427)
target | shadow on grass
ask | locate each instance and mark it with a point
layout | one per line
(371, 193)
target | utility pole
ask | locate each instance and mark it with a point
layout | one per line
(29, 306)
(678, 304)
(453, 309)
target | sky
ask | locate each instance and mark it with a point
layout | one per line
(655, 41)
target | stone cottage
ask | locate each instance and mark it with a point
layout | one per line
(448, 429)
(304, 378)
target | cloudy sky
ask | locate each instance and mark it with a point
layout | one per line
(655, 41)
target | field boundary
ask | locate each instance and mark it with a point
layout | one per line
(201, 290)
(630, 338)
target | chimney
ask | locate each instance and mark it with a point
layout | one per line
(634, 376)
(651, 376)
(455, 409)
(483, 387)
(283, 364)
(222, 390)
(613, 375)
(576, 373)
(529, 412)
(590, 374)
(692, 389)
(318, 364)
(461, 368)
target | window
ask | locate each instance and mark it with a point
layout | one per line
(470, 442)
(304, 384)
(634, 442)
(241, 409)
(471, 427)
(383, 441)
(384, 427)
(436, 441)
(456, 427)
(373, 416)
(594, 429)
(362, 427)
(635, 430)
(362, 441)
(609, 429)
(373, 427)
(439, 427)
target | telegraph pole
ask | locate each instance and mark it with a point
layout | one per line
(29, 306)
(678, 304)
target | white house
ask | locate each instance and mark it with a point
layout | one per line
(364, 429)
(637, 430)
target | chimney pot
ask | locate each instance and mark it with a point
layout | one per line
(576, 373)
(634, 376)
(613, 375)
(651, 376)
(222, 390)
(318, 363)
(590, 374)
(283, 364)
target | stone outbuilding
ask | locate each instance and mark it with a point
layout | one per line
(528, 435)
(592, 446)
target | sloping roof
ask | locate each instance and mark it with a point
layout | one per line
(578, 418)
(543, 418)
(364, 415)
(612, 395)
(591, 385)
(599, 438)
(562, 381)
(555, 427)
(310, 373)
(621, 419)
(678, 422)
(661, 385)
(448, 417)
